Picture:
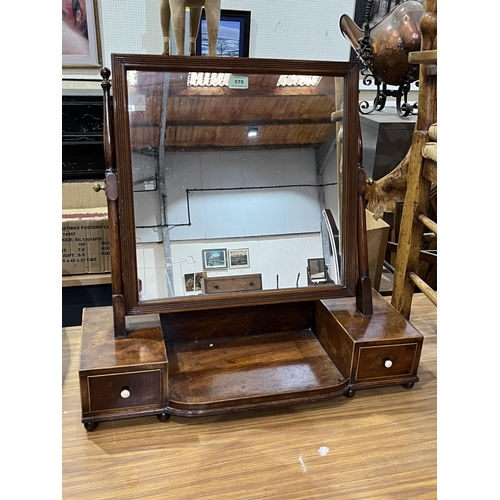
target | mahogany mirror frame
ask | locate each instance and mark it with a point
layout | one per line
(119, 186)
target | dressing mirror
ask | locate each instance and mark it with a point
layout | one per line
(227, 177)
(239, 264)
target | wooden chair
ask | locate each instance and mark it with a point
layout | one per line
(422, 172)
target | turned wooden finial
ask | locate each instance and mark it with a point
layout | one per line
(105, 73)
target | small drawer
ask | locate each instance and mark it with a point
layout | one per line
(122, 390)
(380, 362)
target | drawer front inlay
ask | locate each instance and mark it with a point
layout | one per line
(122, 390)
(377, 362)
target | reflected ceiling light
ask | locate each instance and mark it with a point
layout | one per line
(132, 78)
(298, 81)
(252, 132)
(208, 79)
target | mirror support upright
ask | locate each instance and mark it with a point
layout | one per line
(364, 300)
(117, 298)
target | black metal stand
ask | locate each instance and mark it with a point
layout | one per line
(401, 94)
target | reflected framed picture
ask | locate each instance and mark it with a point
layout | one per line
(234, 34)
(238, 258)
(80, 34)
(316, 269)
(215, 259)
(192, 281)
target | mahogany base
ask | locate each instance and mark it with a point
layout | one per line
(209, 362)
(124, 377)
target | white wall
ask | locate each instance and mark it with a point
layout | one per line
(242, 212)
(282, 256)
(280, 227)
(280, 29)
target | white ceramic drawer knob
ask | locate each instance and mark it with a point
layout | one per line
(387, 363)
(125, 393)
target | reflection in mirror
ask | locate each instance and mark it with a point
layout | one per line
(234, 176)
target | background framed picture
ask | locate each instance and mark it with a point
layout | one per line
(80, 34)
(215, 259)
(234, 34)
(238, 258)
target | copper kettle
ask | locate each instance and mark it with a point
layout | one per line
(384, 48)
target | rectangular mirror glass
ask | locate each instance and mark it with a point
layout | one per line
(234, 177)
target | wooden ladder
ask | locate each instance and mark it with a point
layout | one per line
(422, 171)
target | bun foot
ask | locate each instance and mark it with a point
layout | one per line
(350, 393)
(409, 385)
(91, 426)
(163, 417)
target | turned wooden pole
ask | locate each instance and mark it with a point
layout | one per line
(117, 298)
(364, 302)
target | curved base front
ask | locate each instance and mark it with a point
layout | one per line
(235, 407)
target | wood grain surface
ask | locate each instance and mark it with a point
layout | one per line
(379, 445)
